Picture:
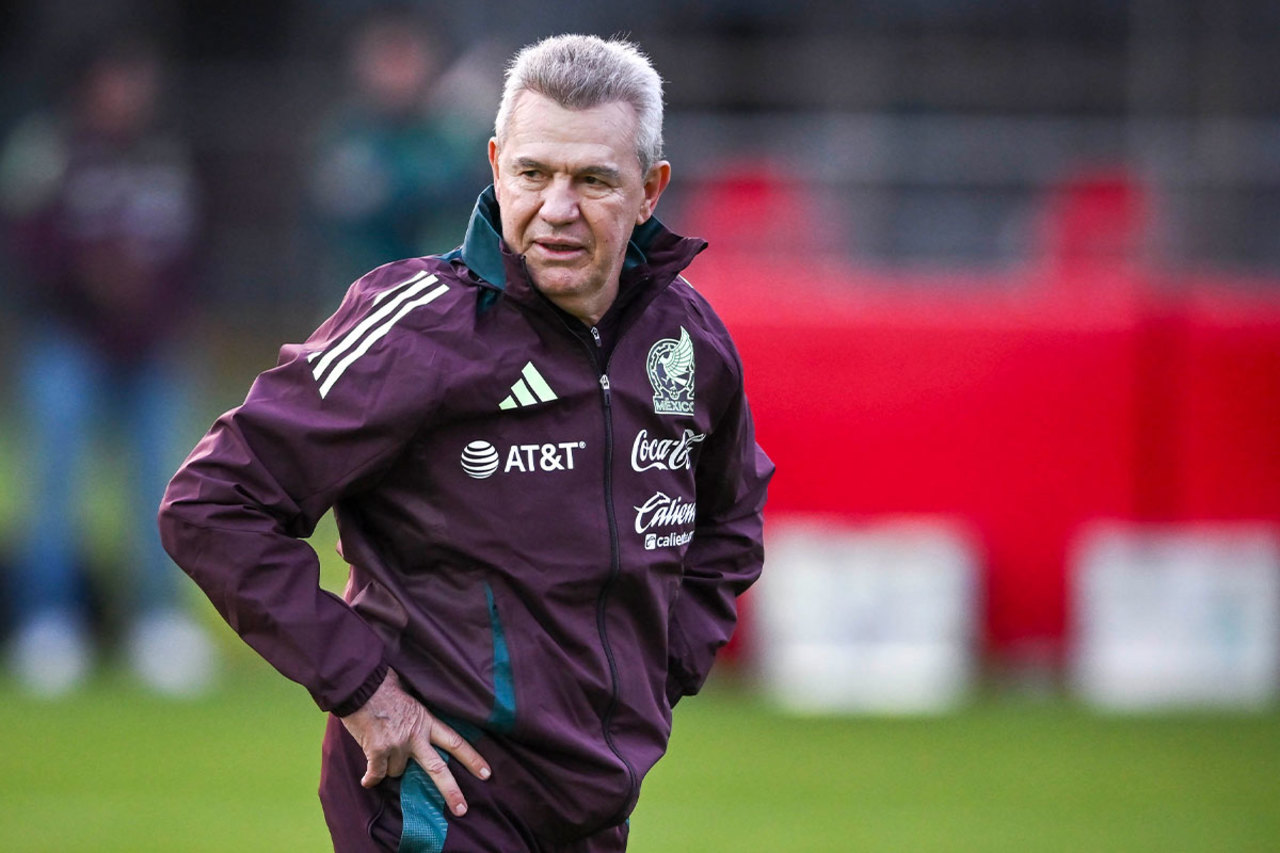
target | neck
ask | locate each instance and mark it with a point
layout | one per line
(590, 308)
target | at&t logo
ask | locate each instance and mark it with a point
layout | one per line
(481, 460)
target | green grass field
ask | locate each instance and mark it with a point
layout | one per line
(114, 769)
(117, 770)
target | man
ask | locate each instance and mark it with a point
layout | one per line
(546, 482)
(395, 167)
(100, 206)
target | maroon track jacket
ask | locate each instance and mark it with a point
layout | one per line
(547, 529)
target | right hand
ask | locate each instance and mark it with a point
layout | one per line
(393, 727)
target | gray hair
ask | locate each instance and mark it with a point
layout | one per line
(580, 72)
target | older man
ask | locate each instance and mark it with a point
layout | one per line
(545, 478)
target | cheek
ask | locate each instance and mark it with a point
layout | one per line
(509, 221)
(511, 230)
(617, 228)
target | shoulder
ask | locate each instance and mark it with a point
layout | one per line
(405, 294)
(402, 317)
(706, 324)
(33, 161)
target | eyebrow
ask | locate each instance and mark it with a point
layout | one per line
(608, 173)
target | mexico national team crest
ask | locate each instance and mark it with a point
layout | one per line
(670, 368)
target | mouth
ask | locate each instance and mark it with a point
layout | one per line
(559, 250)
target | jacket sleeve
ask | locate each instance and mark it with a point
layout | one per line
(235, 514)
(727, 551)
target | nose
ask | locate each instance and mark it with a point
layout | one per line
(559, 202)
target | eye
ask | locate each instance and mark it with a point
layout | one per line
(595, 183)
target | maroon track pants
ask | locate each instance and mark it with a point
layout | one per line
(374, 821)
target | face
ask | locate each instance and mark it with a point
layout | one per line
(570, 190)
(392, 68)
(121, 95)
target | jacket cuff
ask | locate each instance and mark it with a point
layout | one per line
(356, 700)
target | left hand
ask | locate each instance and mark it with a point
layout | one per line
(393, 727)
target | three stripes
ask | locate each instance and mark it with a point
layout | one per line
(529, 390)
(398, 301)
(329, 365)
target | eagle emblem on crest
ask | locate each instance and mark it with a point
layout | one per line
(670, 369)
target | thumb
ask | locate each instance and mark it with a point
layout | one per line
(375, 770)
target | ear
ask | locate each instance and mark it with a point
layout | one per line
(493, 163)
(654, 183)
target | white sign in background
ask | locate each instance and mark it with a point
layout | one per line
(878, 618)
(1177, 616)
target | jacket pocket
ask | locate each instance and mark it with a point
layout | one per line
(502, 717)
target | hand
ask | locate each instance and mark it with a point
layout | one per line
(393, 727)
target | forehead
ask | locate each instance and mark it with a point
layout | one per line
(543, 130)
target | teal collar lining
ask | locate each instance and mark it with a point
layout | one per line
(481, 248)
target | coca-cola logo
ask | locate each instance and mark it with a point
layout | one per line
(662, 510)
(664, 454)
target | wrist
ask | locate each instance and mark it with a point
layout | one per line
(364, 692)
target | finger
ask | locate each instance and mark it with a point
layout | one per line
(436, 768)
(375, 771)
(456, 745)
(396, 763)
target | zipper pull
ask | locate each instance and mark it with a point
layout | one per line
(604, 386)
(595, 333)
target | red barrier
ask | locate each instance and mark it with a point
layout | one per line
(1023, 406)
(1227, 407)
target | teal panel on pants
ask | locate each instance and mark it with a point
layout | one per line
(422, 805)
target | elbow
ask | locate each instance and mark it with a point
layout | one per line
(175, 519)
(169, 521)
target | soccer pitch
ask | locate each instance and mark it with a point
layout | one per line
(114, 769)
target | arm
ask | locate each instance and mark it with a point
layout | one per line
(727, 551)
(33, 166)
(235, 514)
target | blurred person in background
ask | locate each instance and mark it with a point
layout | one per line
(545, 478)
(397, 164)
(100, 207)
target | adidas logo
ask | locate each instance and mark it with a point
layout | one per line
(529, 390)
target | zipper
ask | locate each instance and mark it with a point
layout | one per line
(615, 568)
(615, 553)
(615, 563)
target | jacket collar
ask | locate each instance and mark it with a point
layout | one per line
(652, 253)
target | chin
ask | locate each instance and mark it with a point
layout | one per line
(554, 282)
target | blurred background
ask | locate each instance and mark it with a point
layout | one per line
(1006, 282)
